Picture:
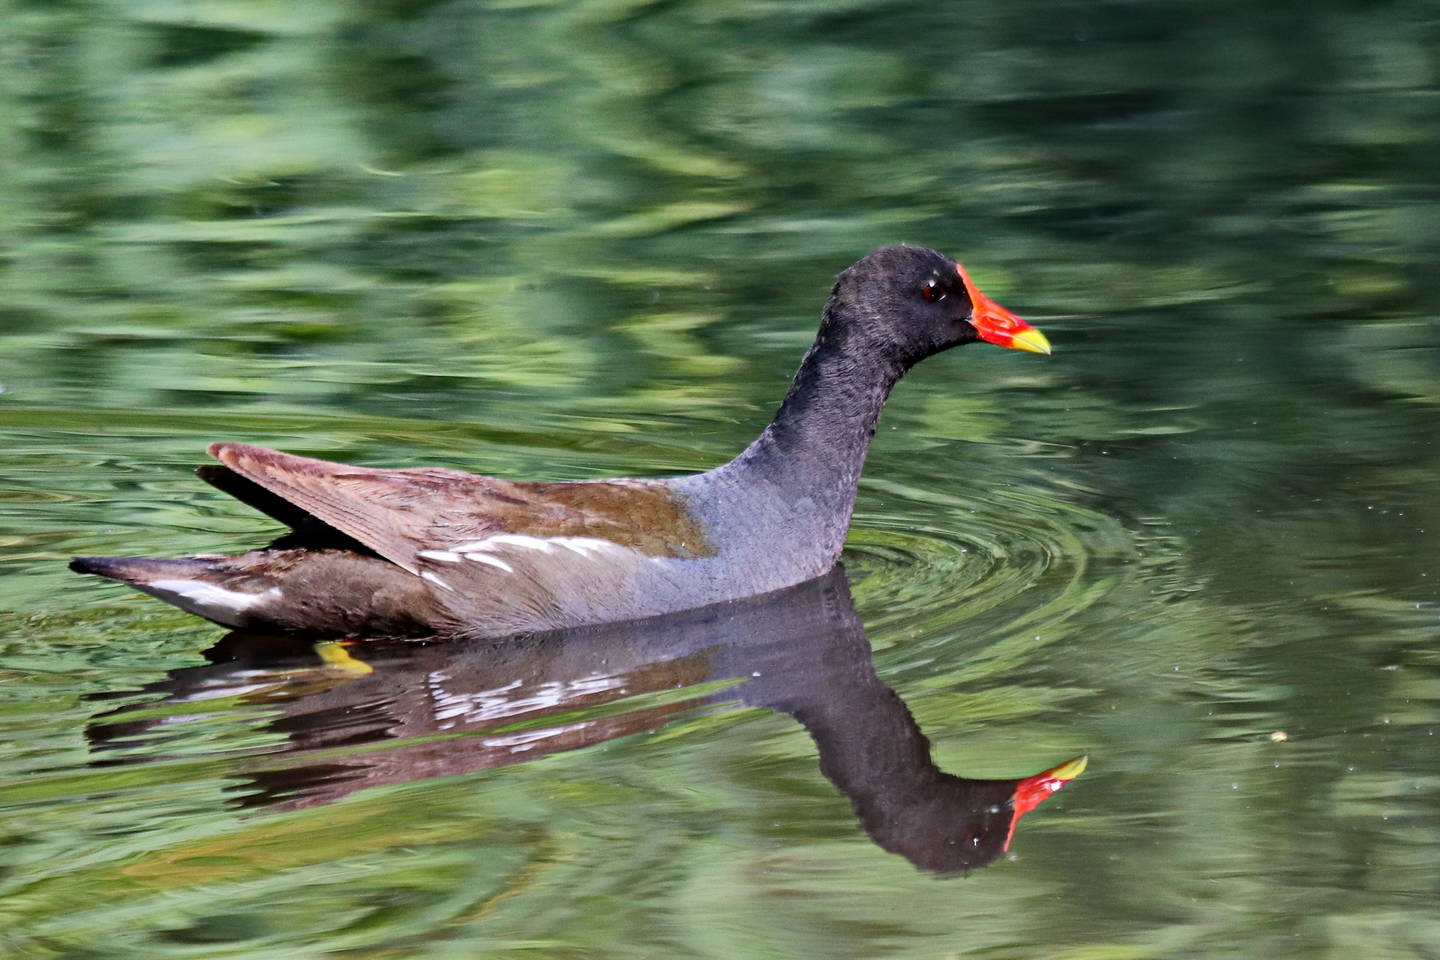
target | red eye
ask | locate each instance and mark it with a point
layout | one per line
(932, 291)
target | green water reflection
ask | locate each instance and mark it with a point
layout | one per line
(574, 240)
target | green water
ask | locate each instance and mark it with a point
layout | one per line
(1200, 543)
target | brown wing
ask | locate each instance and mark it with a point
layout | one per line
(398, 513)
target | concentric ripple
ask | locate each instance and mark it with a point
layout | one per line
(1000, 561)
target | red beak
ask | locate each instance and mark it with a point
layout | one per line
(1030, 792)
(999, 326)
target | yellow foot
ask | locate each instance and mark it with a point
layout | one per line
(336, 657)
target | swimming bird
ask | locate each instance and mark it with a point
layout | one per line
(432, 551)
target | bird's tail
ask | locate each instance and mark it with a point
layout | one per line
(200, 585)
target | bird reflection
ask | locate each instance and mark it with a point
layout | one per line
(364, 714)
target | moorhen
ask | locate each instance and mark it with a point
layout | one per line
(428, 551)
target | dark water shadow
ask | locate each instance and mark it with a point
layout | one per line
(372, 713)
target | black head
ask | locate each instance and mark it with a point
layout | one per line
(907, 303)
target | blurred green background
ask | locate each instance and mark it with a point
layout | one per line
(562, 240)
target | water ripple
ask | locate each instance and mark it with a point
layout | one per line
(1003, 561)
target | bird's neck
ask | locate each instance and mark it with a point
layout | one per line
(824, 426)
(799, 478)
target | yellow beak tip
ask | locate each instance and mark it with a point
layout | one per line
(1071, 769)
(1031, 341)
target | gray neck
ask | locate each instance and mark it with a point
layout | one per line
(793, 489)
(821, 432)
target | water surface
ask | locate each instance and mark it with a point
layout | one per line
(1198, 544)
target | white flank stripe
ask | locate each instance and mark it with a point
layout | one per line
(543, 544)
(521, 540)
(583, 545)
(493, 561)
(207, 599)
(444, 556)
(427, 575)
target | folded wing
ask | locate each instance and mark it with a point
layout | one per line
(402, 513)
